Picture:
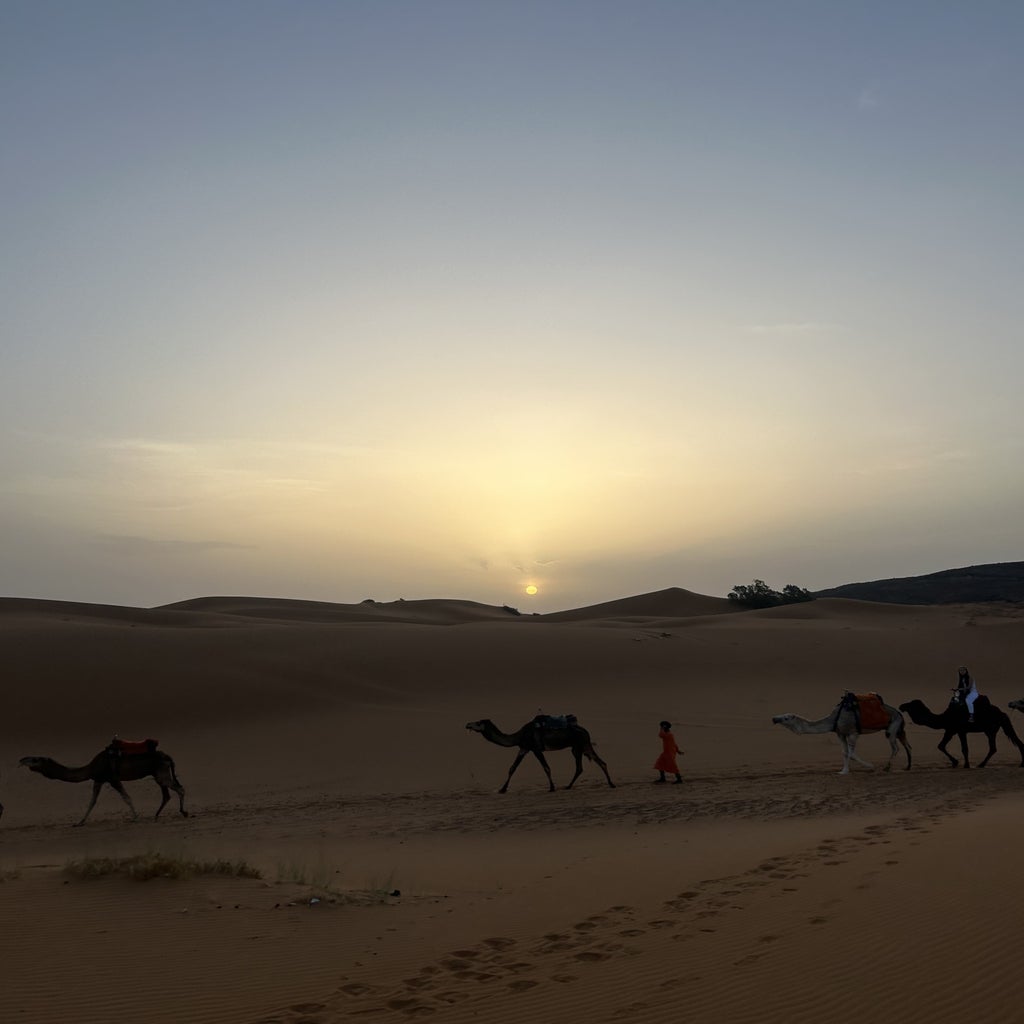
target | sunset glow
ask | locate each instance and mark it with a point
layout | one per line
(274, 331)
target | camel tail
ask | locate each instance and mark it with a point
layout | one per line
(174, 773)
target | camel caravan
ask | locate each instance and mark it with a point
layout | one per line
(854, 716)
(968, 711)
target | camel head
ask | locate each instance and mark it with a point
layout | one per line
(480, 726)
(43, 765)
(1017, 705)
(788, 720)
(913, 708)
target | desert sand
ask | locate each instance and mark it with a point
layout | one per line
(325, 746)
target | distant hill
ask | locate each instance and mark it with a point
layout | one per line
(1000, 581)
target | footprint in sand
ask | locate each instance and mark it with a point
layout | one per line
(455, 964)
(630, 1012)
(355, 988)
(518, 967)
(661, 923)
(522, 984)
(817, 920)
(564, 979)
(591, 956)
(631, 933)
(555, 947)
(411, 1007)
(500, 943)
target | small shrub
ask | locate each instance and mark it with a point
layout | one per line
(759, 595)
(144, 866)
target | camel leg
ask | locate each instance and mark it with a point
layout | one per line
(180, 790)
(96, 787)
(115, 785)
(844, 743)
(539, 754)
(512, 770)
(578, 755)
(902, 737)
(991, 748)
(1009, 732)
(851, 749)
(894, 749)
(165, 788)
(165, 795)
(592, 754)
(942, 746)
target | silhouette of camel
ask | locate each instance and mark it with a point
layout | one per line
(845, 723)
(113, 769)
(954, 721)
(534, 739)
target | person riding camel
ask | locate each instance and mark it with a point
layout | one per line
(966, 691)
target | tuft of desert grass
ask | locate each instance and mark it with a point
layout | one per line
(144, 866)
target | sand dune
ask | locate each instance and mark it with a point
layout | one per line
(325, 745)
(662, 604)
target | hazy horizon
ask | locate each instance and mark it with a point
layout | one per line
(333, 301)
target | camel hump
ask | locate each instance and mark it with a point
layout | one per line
(555, 721)
(869, 708)
(147, 746)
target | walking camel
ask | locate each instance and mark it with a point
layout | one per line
(534, 739)
(845, 722)
(955, 721)
(114, 766)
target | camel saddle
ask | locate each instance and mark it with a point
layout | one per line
(554, 721)
(869, 709)
(119, 746)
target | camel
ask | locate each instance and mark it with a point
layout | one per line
(954, 721)
(845, 723)
(531, 739)
(113, 769)
(1016, 705)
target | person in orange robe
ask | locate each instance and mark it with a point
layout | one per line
(667, 758)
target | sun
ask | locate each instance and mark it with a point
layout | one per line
(531, 590)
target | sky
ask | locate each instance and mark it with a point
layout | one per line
(452, 298)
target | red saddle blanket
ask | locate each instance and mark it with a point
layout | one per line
(134, 746)
(872, 711)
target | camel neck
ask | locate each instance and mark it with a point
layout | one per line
(495, 735)
(56, 770)
(826, 724)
